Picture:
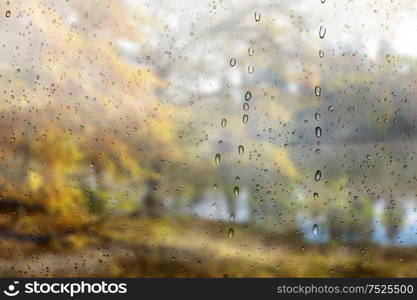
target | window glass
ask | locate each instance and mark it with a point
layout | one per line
(216, 138)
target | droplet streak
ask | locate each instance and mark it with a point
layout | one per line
(241, 149)
(317, 91)
(236, 191)
(248, 95)
(217, 159)
(322, 32)
(318, 132)
(315, 229)
(223, 123)
(317, 176)
(245, 118)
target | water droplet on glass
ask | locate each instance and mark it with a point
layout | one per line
(245, 106)
(317, 151)
(8, 13)
(214, 206)
(223, 123)
(316, 196)
(236, 191)
(217, 159)
(315, 229)
(232, 62)
(317, 177)
(237, 179)
(251, 69)
(318, 132)
(245, 118)
(317, 91)
(322, 32)
(251, 51)
(323, 1)
(317, 116)
(248, 95)
(231, 233)
(321, 53)
(232, 217)
(241, 149)
(257, 16)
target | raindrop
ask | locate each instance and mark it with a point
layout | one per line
(317, 91)
(231, 233)
(232, 217)
(317, 116)
(232, 62)
(321, 53)
(317, 151)
(248, 95)
(245, 106)
(315, 229)
(241, 149)
(237, 179)
(245, 118)
(214, 206)
(251, 69)
(251, 51)
(236, 191)
(8, 13)
(316, 196)
(322, 32)
(257, 16)
(223, 123)
(217, 159)
(317, 177)
(318, 132)
(323, 1)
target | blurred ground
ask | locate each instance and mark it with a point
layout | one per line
(142, 246)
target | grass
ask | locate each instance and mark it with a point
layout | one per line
(186, 247)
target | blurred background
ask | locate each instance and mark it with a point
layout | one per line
(222, 138)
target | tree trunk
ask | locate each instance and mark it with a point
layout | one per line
(153, 200)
